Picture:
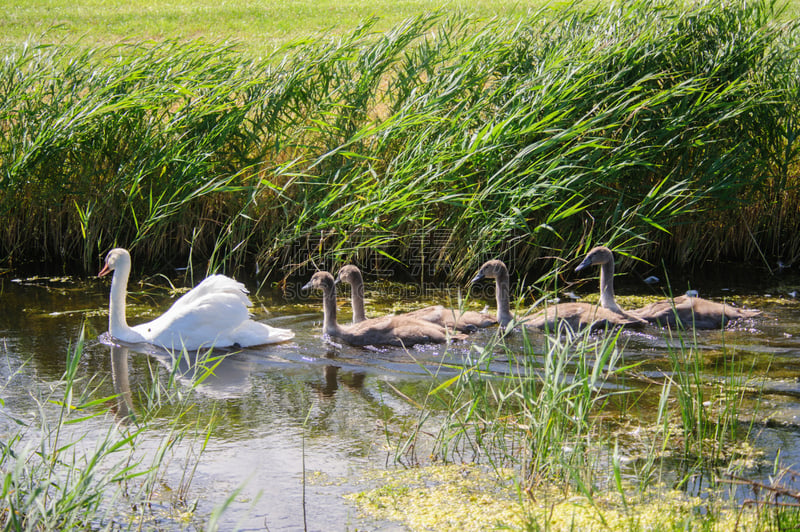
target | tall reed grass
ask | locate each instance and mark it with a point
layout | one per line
(668, 129)
(569, 414)
(87, 460)
(542, 416)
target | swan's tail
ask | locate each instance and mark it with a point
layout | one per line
(252, 333)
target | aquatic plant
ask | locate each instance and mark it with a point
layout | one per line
(540, 416)
(569, 416)
(440, 142)
(458, 497)
(61, 472)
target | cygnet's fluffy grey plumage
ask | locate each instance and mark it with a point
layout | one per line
(401, 330)
(687, 312)
(576, 314)
(582, 315)
(464, 321)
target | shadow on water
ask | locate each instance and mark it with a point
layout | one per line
(312, 408)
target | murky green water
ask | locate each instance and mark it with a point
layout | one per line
(349, 399)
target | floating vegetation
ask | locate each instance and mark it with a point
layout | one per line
(469, 497)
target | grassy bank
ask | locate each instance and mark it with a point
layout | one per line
(669, 132)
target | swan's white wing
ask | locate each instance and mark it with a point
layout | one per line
(252, 333)
(214, 284)
(213, 314)
(207, 321)
(217, 319)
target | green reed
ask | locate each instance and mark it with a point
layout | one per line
(709, 407)
(554, 416)
(455, 138)
(61, 472)
(542, 416)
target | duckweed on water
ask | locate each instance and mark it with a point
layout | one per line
(468, 497)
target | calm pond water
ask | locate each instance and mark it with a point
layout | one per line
(347, 397)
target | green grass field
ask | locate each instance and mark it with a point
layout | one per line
(258, 26)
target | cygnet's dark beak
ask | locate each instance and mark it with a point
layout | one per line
(478, 277)
(586, 263)
(307, 286)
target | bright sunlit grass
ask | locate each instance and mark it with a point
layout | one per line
(259, 26)
(510, 137)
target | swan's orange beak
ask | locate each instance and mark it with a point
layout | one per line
(104, 271)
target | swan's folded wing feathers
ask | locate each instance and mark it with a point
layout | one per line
(214, 284)
(206, 322)
(252, 333)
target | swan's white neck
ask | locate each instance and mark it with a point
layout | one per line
(117, 323)
(503, 298)
(607, 287)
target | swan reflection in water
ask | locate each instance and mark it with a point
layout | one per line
(333, 375)
(216, 373)
(219, 374)
(121, 381)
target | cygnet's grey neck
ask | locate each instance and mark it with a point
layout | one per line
(503, 297)
(357, 286)
(329, 324)
(607, 299)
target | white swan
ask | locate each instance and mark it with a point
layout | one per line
(213, 314)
